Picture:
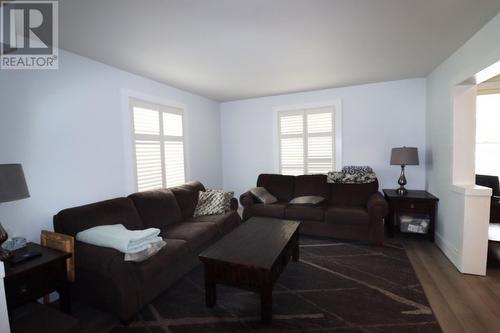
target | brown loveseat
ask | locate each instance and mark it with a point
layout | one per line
(352, 211)
(104, 279)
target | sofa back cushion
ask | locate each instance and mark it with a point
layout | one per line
(352, 194)
(282, 187)
(187, 197)
(157, 208)
(489, 181)
(311, 185)
(115, 211)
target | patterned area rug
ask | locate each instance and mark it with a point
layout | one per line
(335, 287)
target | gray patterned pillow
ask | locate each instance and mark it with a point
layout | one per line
(263, 195)
(213, 202)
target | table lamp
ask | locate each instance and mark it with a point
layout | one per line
(403, 156)
(12, 187)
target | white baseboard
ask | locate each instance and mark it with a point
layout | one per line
(449, 250)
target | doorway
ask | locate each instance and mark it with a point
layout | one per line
(476, 198)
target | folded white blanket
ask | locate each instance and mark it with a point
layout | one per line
(118, 237)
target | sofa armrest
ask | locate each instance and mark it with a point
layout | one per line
(104, 278)
(100, 260)
(377, 206)
(247, 199)
(377, 209)
(234, 204)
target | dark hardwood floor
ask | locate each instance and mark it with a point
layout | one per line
(461, 303)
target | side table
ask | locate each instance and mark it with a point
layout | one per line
(414, 202)
(27, 281)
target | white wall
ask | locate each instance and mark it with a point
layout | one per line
(4, 317)
(481, 51)
(70, 130)
(376, 117)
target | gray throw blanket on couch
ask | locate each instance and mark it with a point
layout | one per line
(352, 174)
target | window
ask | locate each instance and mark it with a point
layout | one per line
(159, 145)
(307, 140)
(488, 134)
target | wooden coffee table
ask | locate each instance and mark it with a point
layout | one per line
(251, 257)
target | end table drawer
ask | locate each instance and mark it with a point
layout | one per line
(415, 205)
(33, 286)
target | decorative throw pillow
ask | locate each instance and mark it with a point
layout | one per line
(212, 202)
(352, 174)
(354, 169)
(263, 195)
(307, 200)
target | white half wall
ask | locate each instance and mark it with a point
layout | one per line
(70, 128)
(375, 118)
(452, 231)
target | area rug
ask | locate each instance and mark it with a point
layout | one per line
(335, 287)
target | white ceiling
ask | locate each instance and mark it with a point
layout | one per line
(235, 49)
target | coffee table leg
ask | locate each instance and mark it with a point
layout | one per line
(295, 253)
(266, 304)
(210, 289)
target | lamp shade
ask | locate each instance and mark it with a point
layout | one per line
(12, 183)
(404, 156)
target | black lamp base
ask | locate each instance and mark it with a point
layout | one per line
(401, 191)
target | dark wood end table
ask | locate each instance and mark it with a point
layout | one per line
(27, 281)
(251, 257)
(415, 202)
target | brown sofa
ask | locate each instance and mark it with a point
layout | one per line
(352, 211)
(105, 280)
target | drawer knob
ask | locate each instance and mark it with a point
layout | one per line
(23, 289)
(412, 206)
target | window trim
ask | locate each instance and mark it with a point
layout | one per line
(336, 104)
(162, 106)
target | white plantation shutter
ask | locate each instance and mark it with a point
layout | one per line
(159, 145)
(148, 163)
(307, 141)
(173, 146)
(292, 143)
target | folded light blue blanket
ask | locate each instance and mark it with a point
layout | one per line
(118, 237)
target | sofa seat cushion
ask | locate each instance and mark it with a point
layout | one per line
(157, 208)
(347, 215)
(162, 261)
(225, 222)
(305, 213)
(273, 210)
(198, 235)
